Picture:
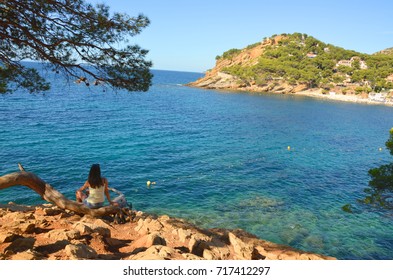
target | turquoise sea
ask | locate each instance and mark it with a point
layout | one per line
(218, 159)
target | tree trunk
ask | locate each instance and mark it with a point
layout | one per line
(48, 193)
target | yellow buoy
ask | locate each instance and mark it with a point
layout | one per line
(289, 148)
(149, 183)
(380, 149)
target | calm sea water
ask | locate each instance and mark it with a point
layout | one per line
(219, 159)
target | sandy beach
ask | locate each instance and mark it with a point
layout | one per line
(317, 93)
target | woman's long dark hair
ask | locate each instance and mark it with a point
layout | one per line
(95, 179)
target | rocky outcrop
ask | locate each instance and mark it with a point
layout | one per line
(216, 78)
(274, 65)
(388, 51)
(47, 232)
(224, 81)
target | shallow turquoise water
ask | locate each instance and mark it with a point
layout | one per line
(219, 159)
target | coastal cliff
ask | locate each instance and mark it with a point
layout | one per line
(48, 232)
(298, 63)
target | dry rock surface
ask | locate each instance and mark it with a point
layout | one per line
(47, 232)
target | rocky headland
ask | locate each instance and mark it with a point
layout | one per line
(302, 65)
(48, 232)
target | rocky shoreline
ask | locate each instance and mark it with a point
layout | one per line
(48, 232)
(221, 81)
(277, 65)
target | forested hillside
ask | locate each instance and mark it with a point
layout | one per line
(299, 61)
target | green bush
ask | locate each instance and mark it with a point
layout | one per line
(380, 191)
(230, 53)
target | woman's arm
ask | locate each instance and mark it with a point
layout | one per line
(80, 195)
(85, 186)
(107, 190)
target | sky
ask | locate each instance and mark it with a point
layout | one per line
(187, 35)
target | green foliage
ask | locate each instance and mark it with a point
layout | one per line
(382, 177)
(338, 78)
(356, 64)
(288, 60)
(74, 38)
(252, 45)
(380, 191)
(27, 78)
(230, 53)
(359, 90)
(345, 69)
(389, 142)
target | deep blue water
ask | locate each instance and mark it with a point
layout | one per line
(219, 159)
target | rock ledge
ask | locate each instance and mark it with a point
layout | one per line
(47, 232)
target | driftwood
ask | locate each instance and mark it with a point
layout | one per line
(48, 193)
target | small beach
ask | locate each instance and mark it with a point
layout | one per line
(316, 93)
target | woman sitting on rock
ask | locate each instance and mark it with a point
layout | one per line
(96, 189)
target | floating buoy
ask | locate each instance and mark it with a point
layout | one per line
(380, 149)
(289, 148)
(149, 183)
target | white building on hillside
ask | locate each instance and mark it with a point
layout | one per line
(348, 63)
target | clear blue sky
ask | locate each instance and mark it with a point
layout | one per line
(187, 35)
